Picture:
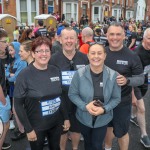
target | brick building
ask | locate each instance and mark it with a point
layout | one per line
(147, 14)
(26, 10)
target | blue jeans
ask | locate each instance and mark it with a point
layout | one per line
(93, 137)
(5, 110)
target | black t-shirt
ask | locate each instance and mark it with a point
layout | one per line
(145, 59)
(38, 98)
(132, 36)
(126, 63)
(2, 78)
(68, 67)
(98, 86)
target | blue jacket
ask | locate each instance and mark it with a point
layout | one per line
(18, 64)
(81, 92)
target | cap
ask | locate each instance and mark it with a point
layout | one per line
(60, 29)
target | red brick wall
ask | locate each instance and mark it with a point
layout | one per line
(10, 8)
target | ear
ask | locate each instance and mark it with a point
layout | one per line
(33, 54)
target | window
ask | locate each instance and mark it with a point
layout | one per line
(84, 9)
(75, 12)
(122, 2)
(0, 6)
(126, 2)
(68, 11)
(33, 9)
(115, 13)
(118, 1)
(96, 13)
(50, 6)
(23, 10)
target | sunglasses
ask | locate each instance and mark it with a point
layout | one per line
(94, 43)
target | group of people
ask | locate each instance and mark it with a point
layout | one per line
(86, 90)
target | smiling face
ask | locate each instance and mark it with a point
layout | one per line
(96, 56)
(146, 40)
(68, 40)
(41, 55)
(115, 36)
(12, 51)
(24, 55)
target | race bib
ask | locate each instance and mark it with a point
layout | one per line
(147, 69)
(49, 107)
(67, 77)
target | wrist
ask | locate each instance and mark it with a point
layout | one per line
(104, 110)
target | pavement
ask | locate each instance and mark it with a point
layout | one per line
(134, 133)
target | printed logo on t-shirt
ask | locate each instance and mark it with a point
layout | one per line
(79, 66)
(53, 79)
(122, 62)
(101, 84)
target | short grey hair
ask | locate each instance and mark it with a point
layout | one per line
(87, 32)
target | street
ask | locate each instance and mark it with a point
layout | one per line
(134, 135)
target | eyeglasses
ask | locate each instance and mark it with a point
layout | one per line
(42, 51)
(71, 65)
(5, 41)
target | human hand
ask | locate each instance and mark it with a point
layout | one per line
(66, 125)
(121, 80)
(32, 136)
(91, 108)
(11, 74)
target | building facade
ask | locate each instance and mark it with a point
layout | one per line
(26, 10)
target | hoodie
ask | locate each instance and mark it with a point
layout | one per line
(18, 64)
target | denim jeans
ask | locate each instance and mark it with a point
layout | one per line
(93, 137)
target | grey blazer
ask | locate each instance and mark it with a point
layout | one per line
(81, 92)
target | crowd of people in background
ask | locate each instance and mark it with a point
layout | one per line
(42, 61)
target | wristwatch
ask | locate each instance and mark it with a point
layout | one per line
(128, 81)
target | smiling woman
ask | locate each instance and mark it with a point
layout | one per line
(95, 92)
(38, 87)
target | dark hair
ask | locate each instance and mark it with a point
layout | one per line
(39, 41)
(40, 22)
(96, 43)
(3, 33)
(116, 24)
(25, 35)
(27, 45)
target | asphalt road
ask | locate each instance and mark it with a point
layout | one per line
(134, 135)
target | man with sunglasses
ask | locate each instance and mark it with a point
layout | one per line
(130, 74)
(4, 99)
(68, 61)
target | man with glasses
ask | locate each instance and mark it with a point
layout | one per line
(4, 99)
(130, 74)
(68, 60)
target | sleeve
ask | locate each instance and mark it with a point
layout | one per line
(7, 72)
(137, 78)
(115, 96)
(134, 35)
(19, 101)
(21, 66)
(63, 109)
(74, 93)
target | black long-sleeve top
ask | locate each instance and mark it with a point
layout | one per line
(38, 98)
